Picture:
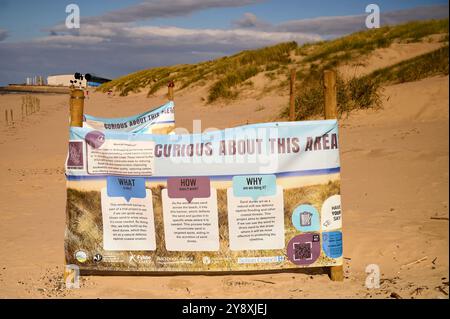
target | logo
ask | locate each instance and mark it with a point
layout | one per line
(81, 256)
(140, 259)
(305, 219)
(98, 258)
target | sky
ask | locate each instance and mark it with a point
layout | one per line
(118, 37)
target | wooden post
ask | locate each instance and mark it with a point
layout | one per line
(76, 107)
(76, 103)
(12, 116)
(329, 80)
(6, 117)
(292, 96)
(170, 87)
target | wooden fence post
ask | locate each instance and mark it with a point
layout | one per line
(329, 80)
(6, 117)
(76, 103)
(76, 107)
(12, 116)
(292, 96)
(170, 87)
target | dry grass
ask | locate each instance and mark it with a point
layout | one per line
(225, 76)
(84, 231)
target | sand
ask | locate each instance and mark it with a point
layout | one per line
(385, 57)
(394, 190)
(394, 186)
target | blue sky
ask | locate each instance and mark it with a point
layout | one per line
(135, 34)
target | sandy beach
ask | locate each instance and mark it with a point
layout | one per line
(394, 189)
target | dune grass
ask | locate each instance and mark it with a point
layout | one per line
(363, 42)
(84, 230)
(422, 66)
(226, 76)
(227, 72)
(366, 91)
(356, 93)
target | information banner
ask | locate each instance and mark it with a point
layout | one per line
(157, 121)
(255, 197)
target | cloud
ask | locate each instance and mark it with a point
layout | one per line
(164, 9)
(339, 25)
(418, 13)
(3, 34)
(161, 37)
(249, 20)
(113, 48)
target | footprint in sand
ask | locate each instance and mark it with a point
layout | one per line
(179, 284)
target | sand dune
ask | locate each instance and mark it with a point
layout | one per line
(385, 57)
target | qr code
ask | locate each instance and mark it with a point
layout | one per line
(303, 251)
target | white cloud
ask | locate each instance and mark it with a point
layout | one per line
(339, 25)
(250, 20)
(112, 48)
(162, 9)
(70, 39)
(174, 36)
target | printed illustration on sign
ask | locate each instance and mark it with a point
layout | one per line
(95, 139)
(332, 244)
(75, 159)
(305, 218)
(304, 249)
(331, 213)
(144, 203)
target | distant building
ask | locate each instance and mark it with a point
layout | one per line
(76, 79)
(64, 80)
(36, 80)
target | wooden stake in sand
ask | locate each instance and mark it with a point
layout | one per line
(76, 107)
(292, 96)
(170, 87)
(329, 76)
(76, 103)
(329, 81)
(6, 117)
(12, 116)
